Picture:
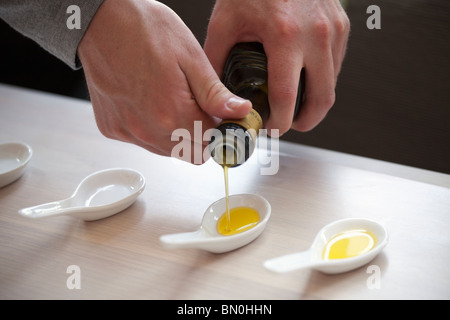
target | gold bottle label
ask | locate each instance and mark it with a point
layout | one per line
(250, 121)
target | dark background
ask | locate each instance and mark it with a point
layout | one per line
(392, 98)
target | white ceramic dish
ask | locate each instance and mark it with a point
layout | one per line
(312, 258)
(14, 157)
(207, 238)
(98, 196)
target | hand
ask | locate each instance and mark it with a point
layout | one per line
(296, 34)
(147, 76)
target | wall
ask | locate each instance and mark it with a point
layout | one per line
(392, 98)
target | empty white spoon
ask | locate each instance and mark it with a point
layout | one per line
(99, 195)
(313, 257)
(207, 237)
(14, 157)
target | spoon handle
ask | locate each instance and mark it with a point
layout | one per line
(182, 240)
(44, 210)
(290, 262)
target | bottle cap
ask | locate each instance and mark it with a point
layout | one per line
(231, 146)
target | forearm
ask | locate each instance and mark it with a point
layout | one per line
(45, 22)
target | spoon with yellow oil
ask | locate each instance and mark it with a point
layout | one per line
(341, 246)
(249, 215)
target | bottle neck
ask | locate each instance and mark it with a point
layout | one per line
(259, 99)
(245, 75)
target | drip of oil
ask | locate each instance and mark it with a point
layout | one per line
(349, 244)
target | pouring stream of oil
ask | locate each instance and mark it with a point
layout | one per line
(228, 220)
(237, 219)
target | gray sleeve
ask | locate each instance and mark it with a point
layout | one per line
(45, 22)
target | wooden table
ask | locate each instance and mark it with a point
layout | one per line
(121, 257)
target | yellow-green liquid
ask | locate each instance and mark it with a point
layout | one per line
(241, 219)
(237, 219)
(227, 213)
(349, 244)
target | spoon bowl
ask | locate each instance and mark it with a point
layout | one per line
(14, 157)
(312, 258)
(99, 195)
(208, 238)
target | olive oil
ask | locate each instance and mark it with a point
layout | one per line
(242, 219)
(349, 244)
(237, 219)
(227, 213)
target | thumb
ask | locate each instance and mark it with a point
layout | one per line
(211, 94)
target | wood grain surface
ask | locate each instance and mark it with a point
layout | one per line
(121, 258)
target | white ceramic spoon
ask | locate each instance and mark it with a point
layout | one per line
(14, 157)
(312, 258)
(98, 196)
(207, 238)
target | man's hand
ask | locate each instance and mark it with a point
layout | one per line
(296, 34)
(147, 76)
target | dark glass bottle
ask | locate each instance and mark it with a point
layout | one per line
(245, 74)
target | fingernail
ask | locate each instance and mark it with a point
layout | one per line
(234, 103)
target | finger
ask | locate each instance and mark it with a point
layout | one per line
(125, 135)
(183, 147)
(220, 39)
(127, 127)
(340, 30)
(190, 151)
(340, 42)
(284, 64)
(210, 93)
(319, 91)
(217, 49)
